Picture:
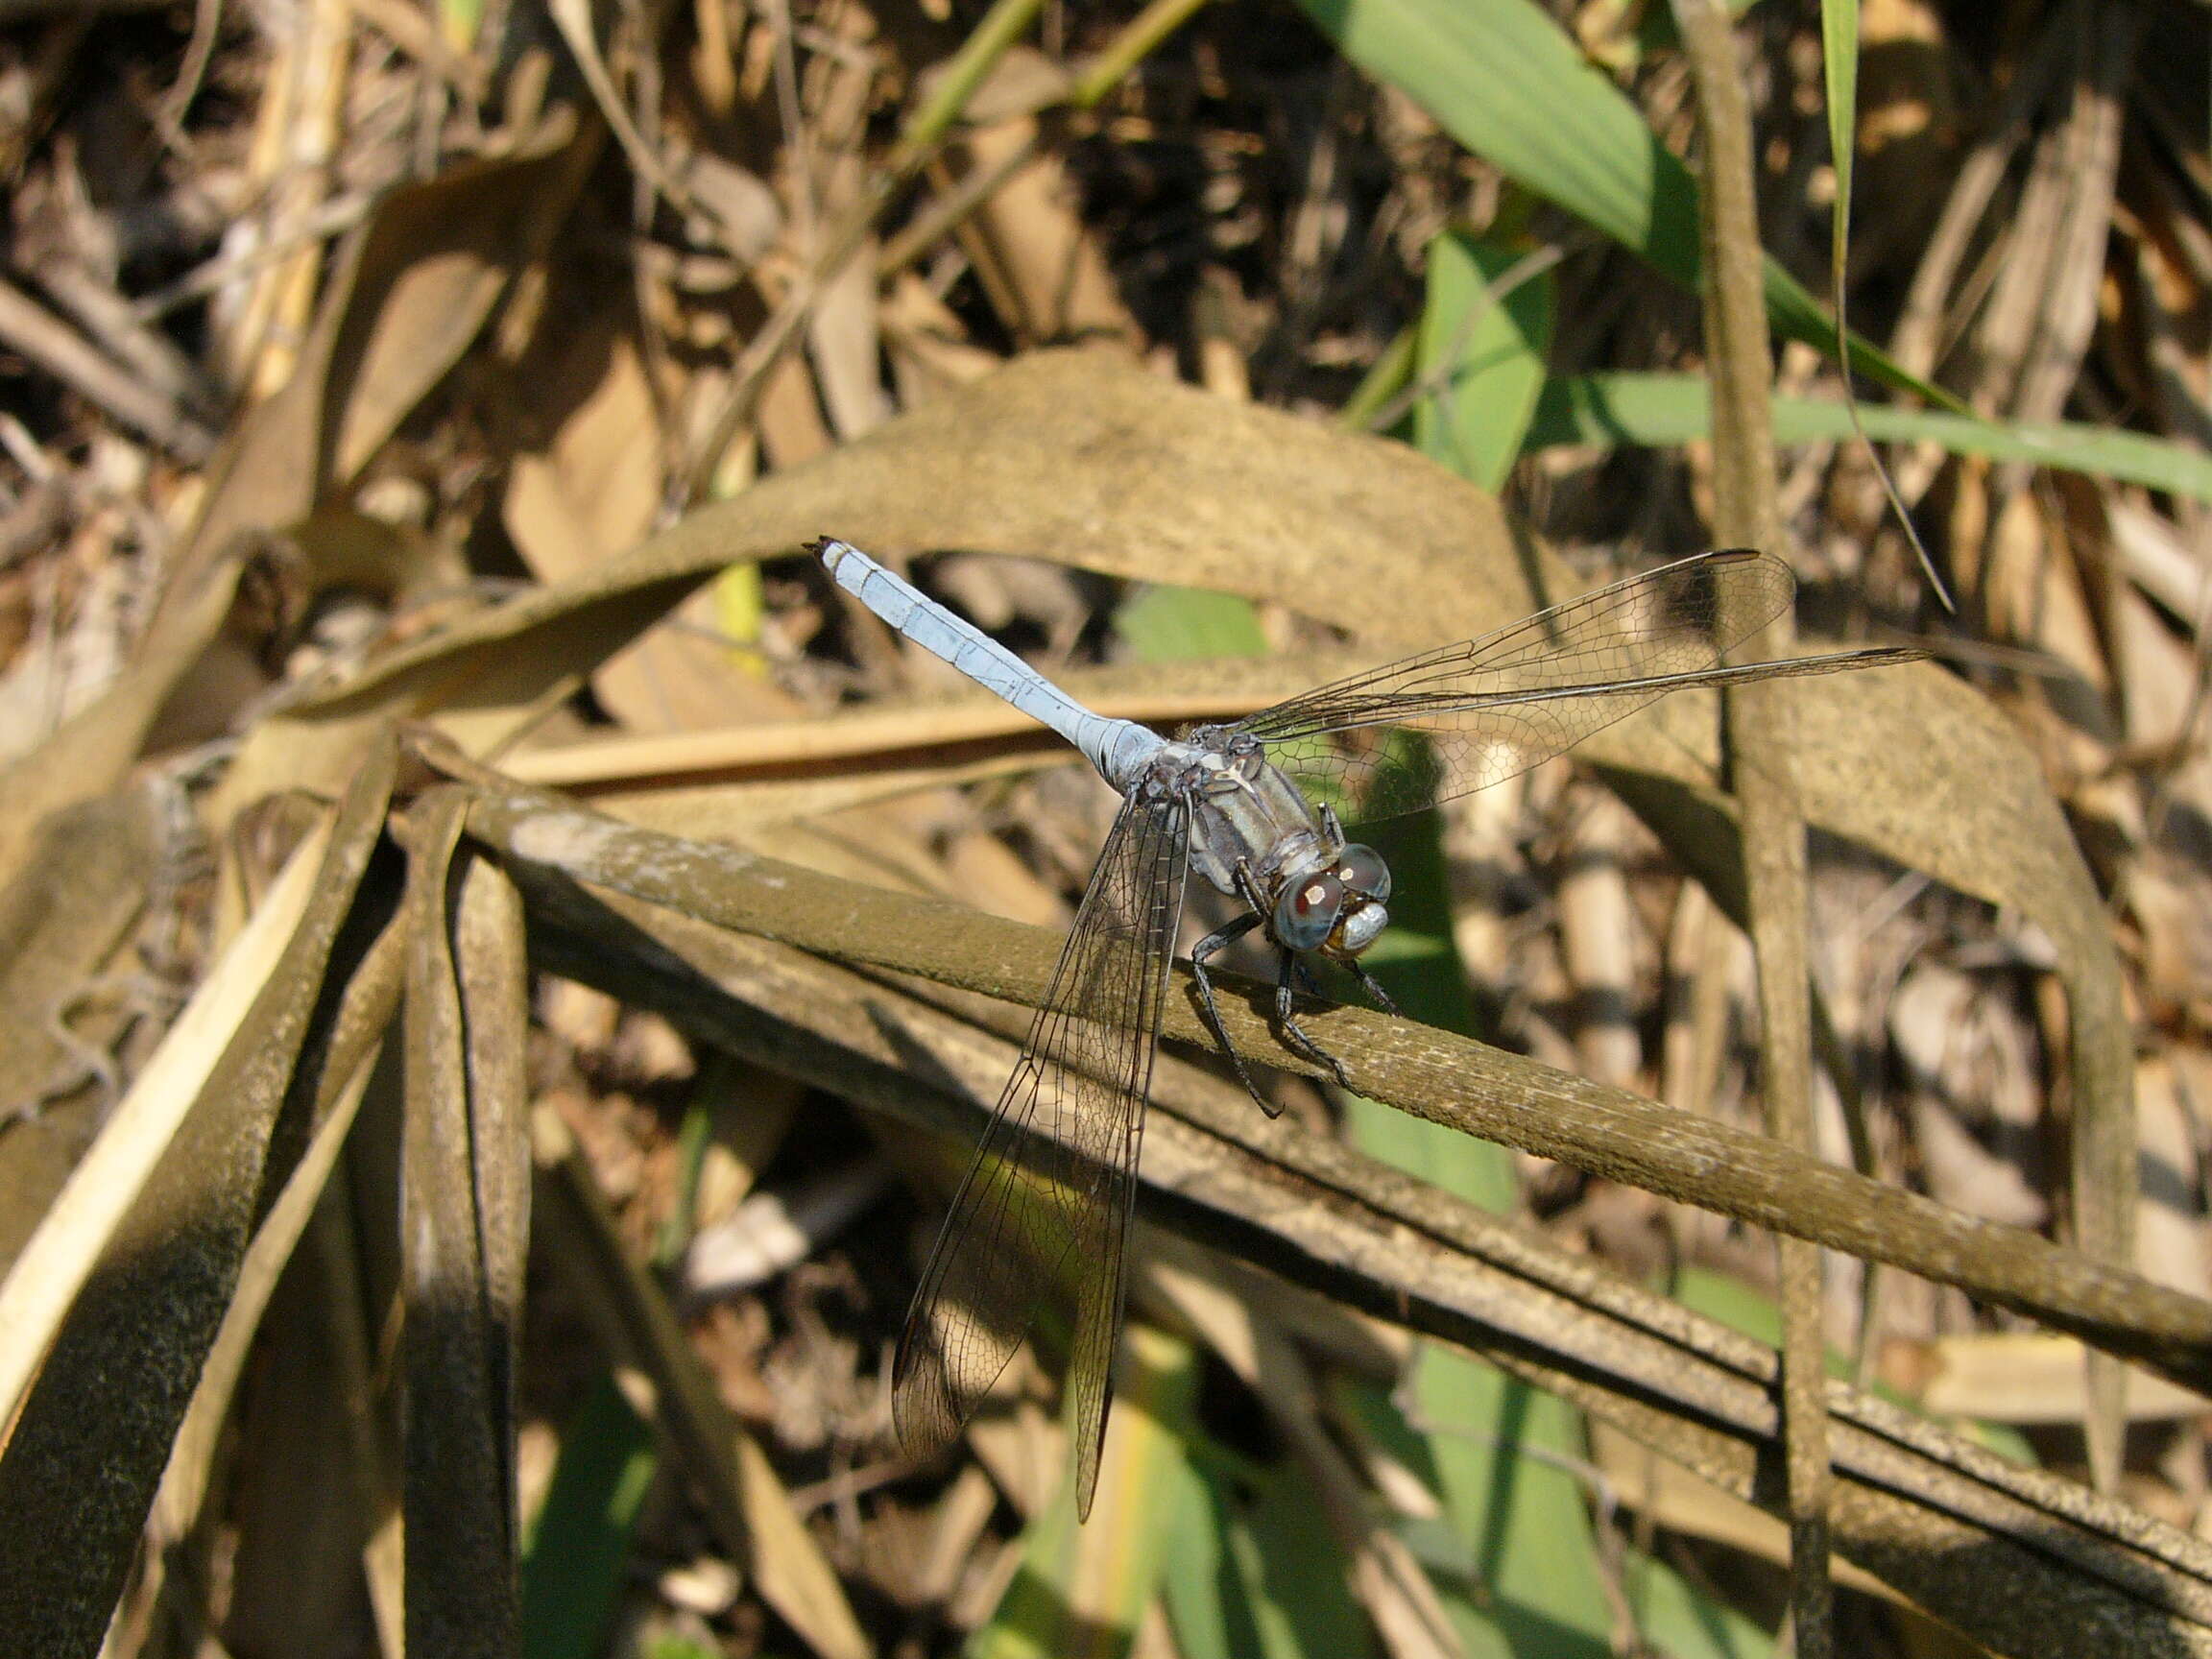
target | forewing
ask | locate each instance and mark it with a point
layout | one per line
(1051, 1191)
(1493, 707)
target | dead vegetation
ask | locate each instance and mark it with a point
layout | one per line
(502, 967)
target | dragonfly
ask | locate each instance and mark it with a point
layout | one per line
(1247, 805)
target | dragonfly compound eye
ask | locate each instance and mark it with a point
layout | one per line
(1364, 873)
(1307, 912)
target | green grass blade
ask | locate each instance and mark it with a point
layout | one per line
(1660, 410)
(1378, 388)
(1673, 1618)
(1084, 1590)
(1508, 84)
(573, 1568)
(1203, 1593)
(1493, 1446)
(1480, 356)
(1263, 1580)
(1840, 63)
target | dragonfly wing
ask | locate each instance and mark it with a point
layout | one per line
(1053, 1183)
(1496, 706)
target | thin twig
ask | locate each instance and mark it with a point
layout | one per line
(332, 218)
(65, 354)
(949, 211)
(199, 53)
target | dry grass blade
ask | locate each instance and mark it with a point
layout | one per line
(1484, 1092)
(1927, 1511)
(459, 1260)
(492, 967)
(371, 999)
(140, 1329)
(1746, 512)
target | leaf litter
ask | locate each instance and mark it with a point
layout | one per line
(375, 370)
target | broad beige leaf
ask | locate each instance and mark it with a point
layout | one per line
(411, 290)
(593, 492)
(1079, 456)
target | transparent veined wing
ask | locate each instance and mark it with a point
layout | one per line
(1496, 706)
(1047, 1201)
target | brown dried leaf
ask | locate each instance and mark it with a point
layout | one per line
(1081, 456)
(90, 752)
(593, 492)
(411, 291)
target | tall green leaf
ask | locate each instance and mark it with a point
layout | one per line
(1508, 84)
(1480, 359)
(574, 1567)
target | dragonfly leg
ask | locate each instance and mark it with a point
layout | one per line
(1293, 1034)
(1287, 1027)
(1200, 953)
(1367, 983)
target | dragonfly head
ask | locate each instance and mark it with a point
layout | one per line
(1336, 909)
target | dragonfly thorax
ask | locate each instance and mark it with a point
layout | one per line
(1244, 814)
(1256, 836)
